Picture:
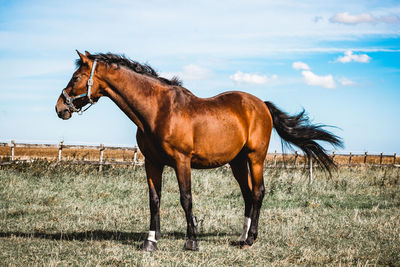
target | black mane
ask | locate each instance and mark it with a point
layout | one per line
(121, 60)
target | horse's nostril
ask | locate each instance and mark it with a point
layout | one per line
(64, 114)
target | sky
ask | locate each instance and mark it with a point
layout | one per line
(339, 60)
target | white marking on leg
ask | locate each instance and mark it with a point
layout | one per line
(152, 236)
(246, 227)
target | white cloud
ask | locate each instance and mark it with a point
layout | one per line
(349, 57)
(315, 80)
(347, 18)
(251, 78)
(190, 72)
(195, 72)
(298, 65)
(390, 19)
(312, 79)
(346, 82)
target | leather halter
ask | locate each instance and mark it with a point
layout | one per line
(70, 100)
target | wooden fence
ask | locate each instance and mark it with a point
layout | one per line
(341, 159)
(48, 151)
(95, 155)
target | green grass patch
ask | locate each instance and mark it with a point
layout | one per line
(74, 215)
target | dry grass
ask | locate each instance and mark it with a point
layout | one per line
(73, 215)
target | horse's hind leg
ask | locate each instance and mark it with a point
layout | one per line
(256, 165)
(242, 176)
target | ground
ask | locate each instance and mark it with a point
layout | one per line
(77, 216)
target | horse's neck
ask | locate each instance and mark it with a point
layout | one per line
(136, 95)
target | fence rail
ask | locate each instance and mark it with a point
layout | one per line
(273, 160)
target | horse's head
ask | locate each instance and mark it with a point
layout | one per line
(81, 90)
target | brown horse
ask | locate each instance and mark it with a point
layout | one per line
(178, 129)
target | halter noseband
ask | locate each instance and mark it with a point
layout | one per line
(70, 100)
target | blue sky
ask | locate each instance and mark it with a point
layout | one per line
(340, 60)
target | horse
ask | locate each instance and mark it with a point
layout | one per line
(178, 129)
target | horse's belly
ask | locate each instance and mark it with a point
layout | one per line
(212, 161)
(217, 150)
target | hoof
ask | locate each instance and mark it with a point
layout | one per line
(148, 245)
(235, 243)
(247, 243)
(158, 235)
(191, 245)
(244, 245)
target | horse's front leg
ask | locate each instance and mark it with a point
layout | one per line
(183, 173)
(154, 178)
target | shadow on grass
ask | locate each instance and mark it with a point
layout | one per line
(80, 236)
(100, 235)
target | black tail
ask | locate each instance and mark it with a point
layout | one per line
(297, 130)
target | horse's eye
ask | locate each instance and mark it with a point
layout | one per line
(75, 78)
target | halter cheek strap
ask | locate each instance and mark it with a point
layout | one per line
(70, 100)
(90, 82)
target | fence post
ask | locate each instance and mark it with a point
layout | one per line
(365, 158)
(60, 147)
(275, 159)
(350, 159)
(310, 178)
(101, 157)
(12, 150)
(333, 156)
(394, 159)
(295, 158)
(380, 159)
(134, 162)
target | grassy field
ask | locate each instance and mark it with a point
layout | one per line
(73, 215)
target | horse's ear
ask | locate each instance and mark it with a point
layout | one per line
(84, 59)
(87, 53)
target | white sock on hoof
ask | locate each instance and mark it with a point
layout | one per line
(152, 236)
(246, 227)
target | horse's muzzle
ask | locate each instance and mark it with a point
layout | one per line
(64, 114)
